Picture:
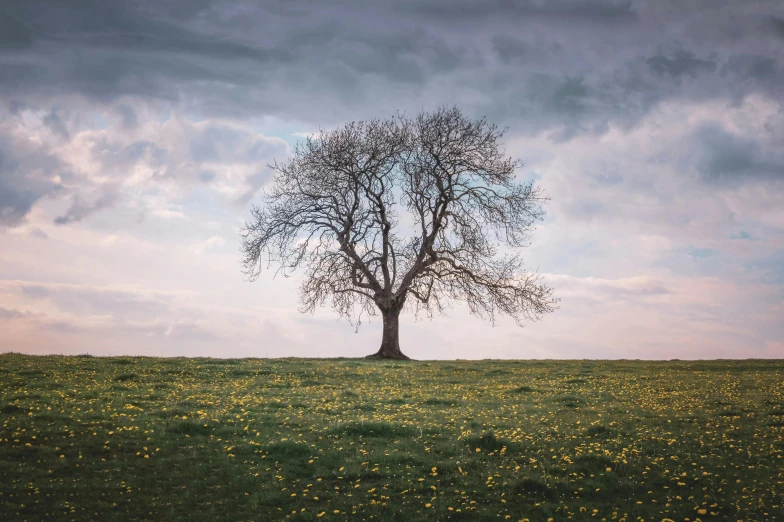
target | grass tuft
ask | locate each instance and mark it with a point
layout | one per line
(439, 402)
(10, 408)
(486, 442)
(188, 428)
(384, 430)
(598, 431)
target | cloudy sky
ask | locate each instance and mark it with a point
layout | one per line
(134, 136)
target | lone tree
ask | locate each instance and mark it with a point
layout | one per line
(389, 213)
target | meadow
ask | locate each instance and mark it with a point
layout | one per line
(89, 438)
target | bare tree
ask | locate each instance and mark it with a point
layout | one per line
(402, 212)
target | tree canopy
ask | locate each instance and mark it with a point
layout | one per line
(402, 213)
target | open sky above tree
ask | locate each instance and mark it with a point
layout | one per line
(133, 137)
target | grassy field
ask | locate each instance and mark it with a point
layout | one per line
(205, 439)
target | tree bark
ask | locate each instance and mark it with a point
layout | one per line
(390, 339)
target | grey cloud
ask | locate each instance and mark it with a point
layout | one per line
(124, 304)
(220, 143)
(127, 116)
(580, 12)
(93, 23)
(774, 126)
(727, 158)
(38, 233)
(80, 208)
(14, 202)
(205, 176)
(608, 179)
(36, 291)
(586, 208)
(653, 289)
(252, 185)
(6, 314)
(183, 149)
(776, 23)
(208, 152)
(15, 32)
(770, 269)
(178, 154)
(117, 159)
(131, 154)
(56, 125)
(754, 67)
(680, 63)
(591, 290)
(315, 62)
(509, 49)
(26, 173)
(572, 97)
(563, 68)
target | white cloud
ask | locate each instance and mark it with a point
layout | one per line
(168, 214)
(203, 246)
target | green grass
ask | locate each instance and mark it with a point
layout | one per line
(90, 438)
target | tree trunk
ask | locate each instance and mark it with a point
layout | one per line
(390, 339)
